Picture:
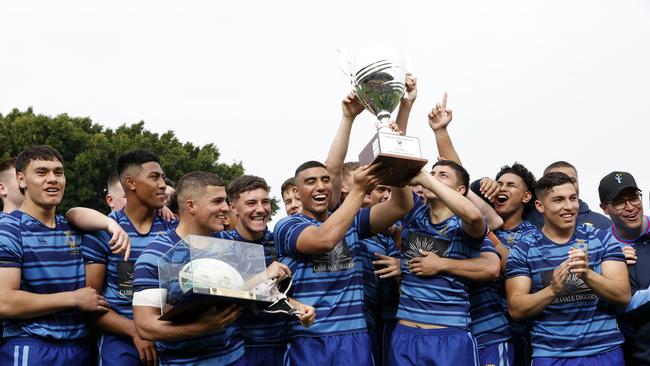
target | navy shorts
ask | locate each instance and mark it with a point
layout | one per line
(24, 351)
(498, 354)
(117, 350)
(264, 356)
(333, 350)
(423, 347)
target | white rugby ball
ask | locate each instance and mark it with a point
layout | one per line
(209, 272)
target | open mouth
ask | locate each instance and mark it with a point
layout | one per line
(320, 198)
(258, 219)
(502, 198)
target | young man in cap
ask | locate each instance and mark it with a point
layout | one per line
(562, 278)
(621, 200)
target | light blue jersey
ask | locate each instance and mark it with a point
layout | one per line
(577, 323)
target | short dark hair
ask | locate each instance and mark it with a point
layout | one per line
(243, 184)
(529, 180)
(461, 173)
(196, 181)
(287, 185)
(350, 166)
(560, 164)
(308, 165)
(550, 181)
(36, 152)
(7, 164)
(135, 157)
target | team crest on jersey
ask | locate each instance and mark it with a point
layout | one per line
(428, 243)
(575, 289)
(336, 260)
(71, 242)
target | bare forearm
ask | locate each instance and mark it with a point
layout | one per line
(403, 114)
(458, 204)
(385, 214)
(525, 306)
(87, 219)
(493, 219)
(18, 304)
(116, 323)
(336, 156)
(150, 328)
(611, 290)
(446, 148)
(475, 269)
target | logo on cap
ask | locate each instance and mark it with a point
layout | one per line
(619, 178)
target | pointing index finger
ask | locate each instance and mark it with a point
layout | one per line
(444, 101)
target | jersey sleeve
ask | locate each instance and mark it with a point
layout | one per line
(94, 247)
(613, 249)
(517, 264)
(11, 251)
(146, 271)
(362, 221)
(285, 236)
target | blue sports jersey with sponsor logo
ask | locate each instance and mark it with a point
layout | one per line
(50, 262)
(118, 287)
(442, 299)
(261, 329)
(330, 282)
(577, 323)
(221, 347)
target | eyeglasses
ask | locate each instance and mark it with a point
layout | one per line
(620, 204)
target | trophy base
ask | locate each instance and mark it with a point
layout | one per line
(191, 305)
(400, 153)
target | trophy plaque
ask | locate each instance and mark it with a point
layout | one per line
(200, 272)
(378, 77)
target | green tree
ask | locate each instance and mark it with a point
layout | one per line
(89, 151)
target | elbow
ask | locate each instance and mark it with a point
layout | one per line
(515, 314)
(625, 297)
(495, 222)
(494, 271)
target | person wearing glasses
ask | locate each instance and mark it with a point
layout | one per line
(620, 198)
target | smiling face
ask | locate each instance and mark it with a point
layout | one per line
(43, 182)
(253, 209)
(512, 196)
(626, 210)
(314, 190)
(560, 207)
(378, 195)
(209, 208)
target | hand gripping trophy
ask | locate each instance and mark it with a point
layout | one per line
(378, 75)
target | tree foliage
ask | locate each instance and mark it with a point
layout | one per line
(89, 151)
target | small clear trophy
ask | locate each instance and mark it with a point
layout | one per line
(378, 77)
(200, 272)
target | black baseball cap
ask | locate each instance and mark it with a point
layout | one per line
(613, 183)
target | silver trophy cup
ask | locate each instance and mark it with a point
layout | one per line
(377, 75)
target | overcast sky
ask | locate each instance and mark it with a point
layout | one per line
(531, 81)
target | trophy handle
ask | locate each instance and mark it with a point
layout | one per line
(345, 64)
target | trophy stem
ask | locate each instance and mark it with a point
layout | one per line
(383, 125)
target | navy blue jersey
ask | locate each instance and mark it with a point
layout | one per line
(50, 262)
(221, 347)
(330, 282)
(118, 288)
(261, 329)
(577, 323)
(489, 325)
(378, 294)
(442, 299)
